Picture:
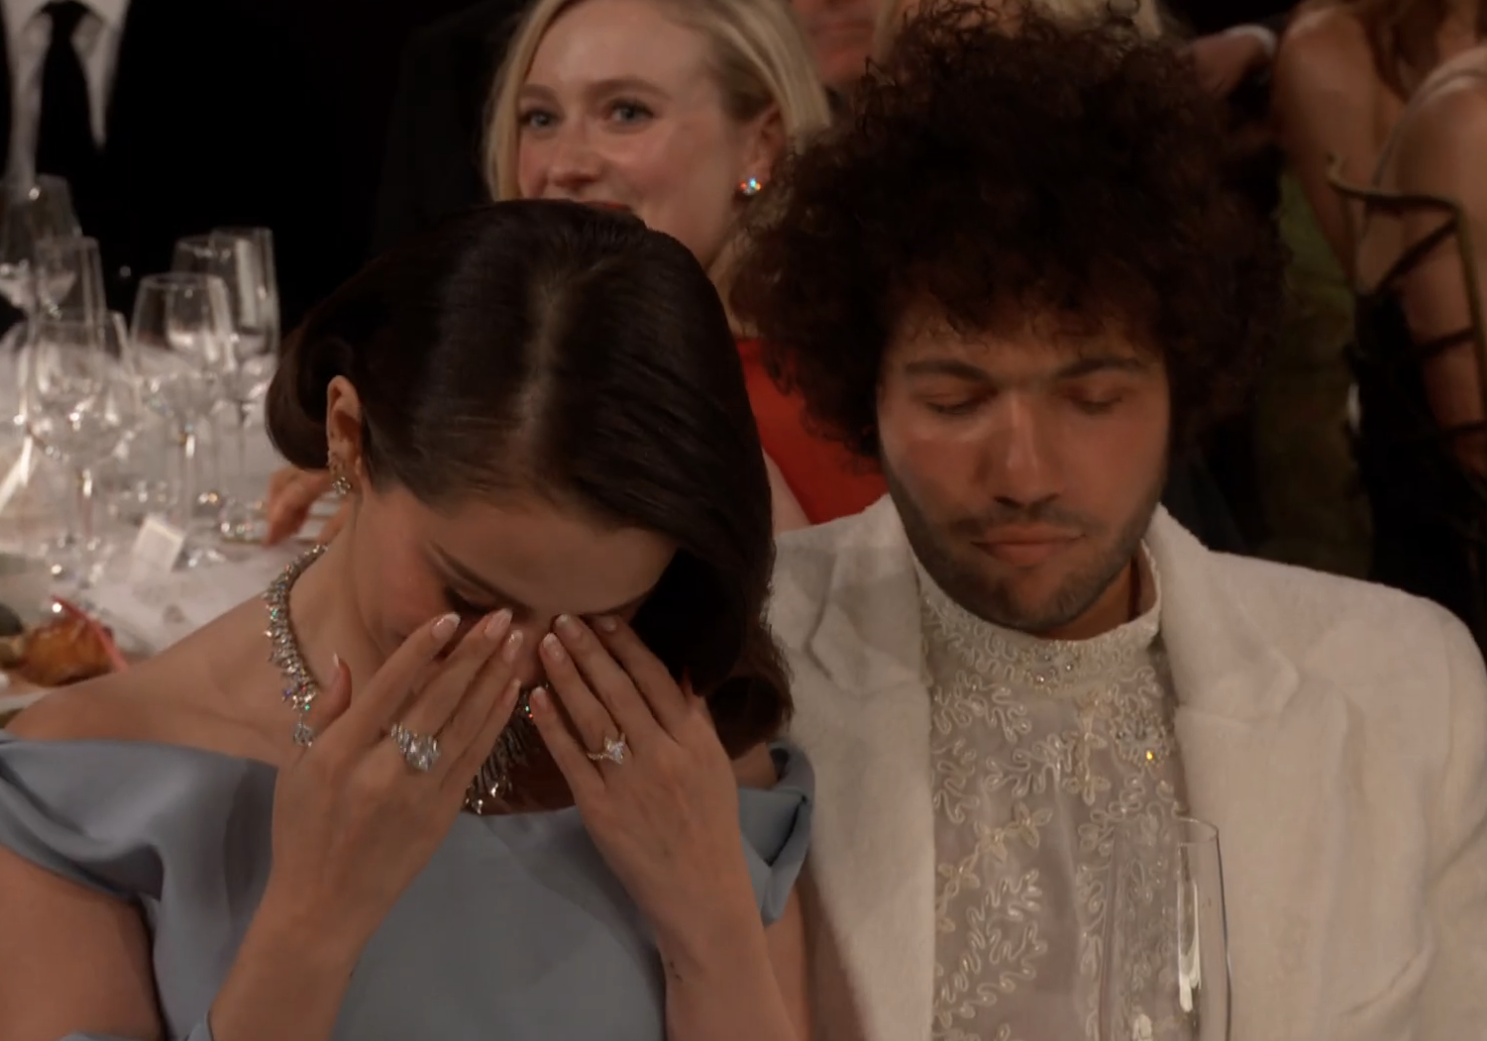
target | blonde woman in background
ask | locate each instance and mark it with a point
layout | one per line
(674, 111)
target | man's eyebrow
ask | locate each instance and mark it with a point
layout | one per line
(1085, 365)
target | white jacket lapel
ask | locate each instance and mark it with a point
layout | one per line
(864, 717)
(1266, 768)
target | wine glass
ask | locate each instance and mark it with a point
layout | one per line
(81, 406)
(31, 211)
(244, 259)
(1167, 968)
(69, 278)
(180, 346)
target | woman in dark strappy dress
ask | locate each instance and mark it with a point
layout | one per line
(1421, 350)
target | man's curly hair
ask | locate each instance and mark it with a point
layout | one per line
(1008, 167)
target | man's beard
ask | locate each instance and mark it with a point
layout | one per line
(935, 545)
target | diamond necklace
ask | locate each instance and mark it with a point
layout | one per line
(489, 788)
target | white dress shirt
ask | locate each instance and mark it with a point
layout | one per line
(28, 34)
(1039, 750)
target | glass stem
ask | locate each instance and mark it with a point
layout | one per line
(84, 476)
(240, 479)
(186, 479)
(218, 486)
(83, 548)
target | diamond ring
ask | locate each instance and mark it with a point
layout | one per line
(615, 751)
(420, 751)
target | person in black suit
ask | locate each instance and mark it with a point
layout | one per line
(169, 118)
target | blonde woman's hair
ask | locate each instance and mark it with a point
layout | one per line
(1145, 15)
(759, 56)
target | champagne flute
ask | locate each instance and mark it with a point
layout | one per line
(1167, 968)
(256, 323)
(256, 288)
(244, 259)
(80, 407)
(199, 255)
(180, 345)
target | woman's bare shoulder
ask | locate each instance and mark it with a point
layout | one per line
(1324, 54)
(168, 699)
(1443, 142)
(117, 706)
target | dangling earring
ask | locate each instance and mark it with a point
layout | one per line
(749, 188)
(340, 483)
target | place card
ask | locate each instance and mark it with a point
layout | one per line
(157, 547)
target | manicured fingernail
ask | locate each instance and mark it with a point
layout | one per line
(538, 700)
(553, 647)
(511, 693)
(497, 624)
(606, 623)
(565, 624)
(335, 665)
(512, 647)
(444, 628)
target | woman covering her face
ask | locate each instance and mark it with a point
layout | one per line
(473, 770)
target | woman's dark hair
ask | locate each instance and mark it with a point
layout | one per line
(553, 349)
(1001, 167)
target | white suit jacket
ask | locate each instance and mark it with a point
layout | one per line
(1335, 733)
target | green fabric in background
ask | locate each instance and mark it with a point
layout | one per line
(1314, 507)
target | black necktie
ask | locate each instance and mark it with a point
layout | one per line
(64, 134)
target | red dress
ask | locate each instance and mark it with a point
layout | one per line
(828, 481)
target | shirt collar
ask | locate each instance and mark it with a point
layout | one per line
(1046, 662)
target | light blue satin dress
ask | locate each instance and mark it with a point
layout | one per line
(515, 931)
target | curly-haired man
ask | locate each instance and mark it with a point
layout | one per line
(1017, 280)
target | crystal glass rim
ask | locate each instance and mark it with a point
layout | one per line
(87, 241)
(1195, 832)
(102, 321)
(179, 280)
(243, 231)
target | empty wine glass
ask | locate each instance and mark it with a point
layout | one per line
(180, 345)
(31, 211)
(69, 278)
(1167, 968)
(81, 405)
